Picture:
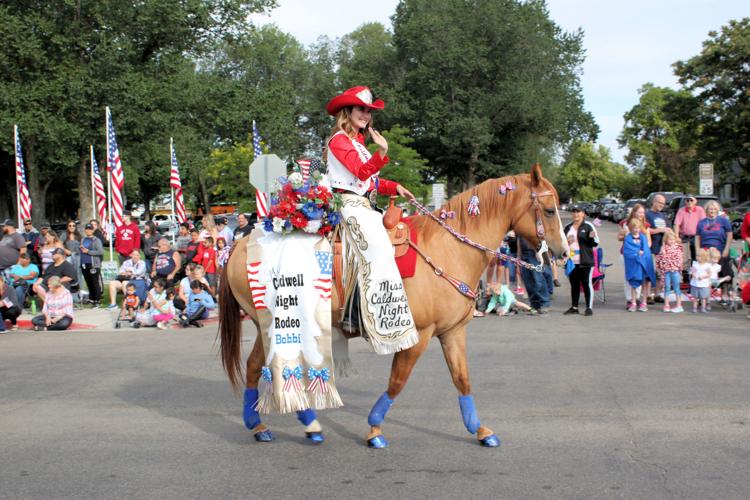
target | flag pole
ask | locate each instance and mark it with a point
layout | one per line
(18, 188)
(171, 188)
(93, 189)
(109, 184)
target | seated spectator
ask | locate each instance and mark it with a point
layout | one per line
(12, 245)
(57, 313)
(157, 307)
(23, 275)
(199, 304)
(130, 303)
(194, 272)
(51, 241)
(133, 269)
(60, 268)
(503, 301)
(10, 307)
(167, 262)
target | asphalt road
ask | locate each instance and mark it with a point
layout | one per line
(619, 405)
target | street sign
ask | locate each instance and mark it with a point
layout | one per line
(264, 170)
(706, 176)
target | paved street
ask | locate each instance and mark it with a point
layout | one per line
(619, 405)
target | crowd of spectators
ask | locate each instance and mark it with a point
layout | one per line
(173, 280)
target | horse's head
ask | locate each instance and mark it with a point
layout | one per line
(538, 220)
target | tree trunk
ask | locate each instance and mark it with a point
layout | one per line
(85, 198)
(204, 195)
(37, 191)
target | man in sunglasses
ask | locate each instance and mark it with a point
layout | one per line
(686, 221)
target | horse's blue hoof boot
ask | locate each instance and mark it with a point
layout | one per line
(315, 437)
(491, 441)
(378, 442)
(264, 436)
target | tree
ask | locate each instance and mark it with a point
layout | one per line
(720, 78)
(589, 173)
(661, 136)
(406, 167)
(488, 86)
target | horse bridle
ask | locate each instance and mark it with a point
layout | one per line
(538, 214)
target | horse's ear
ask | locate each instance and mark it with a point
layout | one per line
(536, 175)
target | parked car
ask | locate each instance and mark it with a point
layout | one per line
(624, 212)
(607, 211)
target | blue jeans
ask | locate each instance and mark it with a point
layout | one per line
(672, 281)
(21, 291)
(536, 285)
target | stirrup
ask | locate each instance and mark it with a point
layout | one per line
(349, 326)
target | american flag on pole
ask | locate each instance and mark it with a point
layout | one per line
(176, 184)
(261, 198)
(116, 174)
(24, 199)
(101, 196)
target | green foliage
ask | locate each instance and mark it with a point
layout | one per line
(228, 171)
(589, 173)
(660, 138)
(720, 79)
(488, 85)
(406, 167)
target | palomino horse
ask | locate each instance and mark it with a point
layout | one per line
(527, 203)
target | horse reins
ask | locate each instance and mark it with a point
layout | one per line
(459, 285)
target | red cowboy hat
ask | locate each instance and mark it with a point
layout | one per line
(355, 96)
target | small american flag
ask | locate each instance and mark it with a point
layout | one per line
(304, 166)
(257, 289)
(323, 283)
(116, 174)
(101, 196)
(24, 199)
(261, 198)
(176, 184)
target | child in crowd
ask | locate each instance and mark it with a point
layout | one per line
(130, 303)
(165, 313)
(206, 257)
(222, 252)
(700, 280)
(669, 262)
(503, 301)
(639, 266)
(199, 304)
(156, 304)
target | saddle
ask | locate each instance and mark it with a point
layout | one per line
(398, 232)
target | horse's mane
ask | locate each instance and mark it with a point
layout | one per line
(490, 202)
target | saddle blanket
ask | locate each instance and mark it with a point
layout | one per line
(290, 280)
(407, 263)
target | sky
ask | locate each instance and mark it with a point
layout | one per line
(627, 43)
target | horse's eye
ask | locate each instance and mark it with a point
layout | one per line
(549, 212)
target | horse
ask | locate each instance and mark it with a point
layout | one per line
(527, 203)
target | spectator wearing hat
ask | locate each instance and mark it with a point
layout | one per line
(23, 275)
(243, 227)
(582, 239)
(60, 268)
(686, 222)
(31, 235)
(127, 238)
(224, 231)
(12, 244)
(98, 231)
(91, 252)
(57, 312)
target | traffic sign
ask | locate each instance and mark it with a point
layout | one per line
(707, 187)
(706, 171)
(264, 170)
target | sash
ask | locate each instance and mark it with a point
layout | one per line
(385, 318)
(290, 280)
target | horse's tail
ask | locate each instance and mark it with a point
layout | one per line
(230, 331)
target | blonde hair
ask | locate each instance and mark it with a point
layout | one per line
(714, 253)
(634, 224)
(53, 282)
(669, 234)
(713, 203)
(343, 123)
(701, 255)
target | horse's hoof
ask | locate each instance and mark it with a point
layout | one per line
(265, 436)
(378, 442)
(491, 441)
(315, 437)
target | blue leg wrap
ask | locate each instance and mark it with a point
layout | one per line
(249, 413)
(306, 416)
(377, 414)
(469, 413)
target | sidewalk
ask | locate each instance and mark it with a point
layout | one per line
(100, 319)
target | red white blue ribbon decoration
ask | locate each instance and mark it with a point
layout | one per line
(292, 378)
(447, 215)
(318, 379)
(473, 207)
(508, 186)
